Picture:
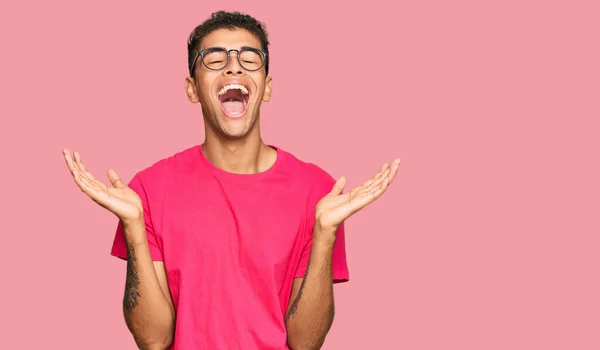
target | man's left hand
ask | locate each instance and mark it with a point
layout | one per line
(336, 207)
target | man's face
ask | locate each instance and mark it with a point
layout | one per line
(230, 97)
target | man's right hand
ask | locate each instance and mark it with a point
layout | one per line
(119, 199)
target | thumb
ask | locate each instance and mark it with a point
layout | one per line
(114, 178)
(338, 187)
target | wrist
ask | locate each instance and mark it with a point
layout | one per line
(324, 236)
(134, 231)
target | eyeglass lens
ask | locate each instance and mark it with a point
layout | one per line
(217, 59)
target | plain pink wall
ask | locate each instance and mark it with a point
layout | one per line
(488, 239)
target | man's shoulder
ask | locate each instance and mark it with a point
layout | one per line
(314, 174)
(169, 166)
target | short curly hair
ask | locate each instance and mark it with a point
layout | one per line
(229, 20)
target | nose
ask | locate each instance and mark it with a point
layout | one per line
(233, 66)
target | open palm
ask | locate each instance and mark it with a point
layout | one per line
(119, 199)
(336, 207)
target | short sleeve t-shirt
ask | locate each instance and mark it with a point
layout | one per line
(232, 244)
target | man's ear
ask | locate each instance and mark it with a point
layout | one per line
(190, 90)
(268, 89)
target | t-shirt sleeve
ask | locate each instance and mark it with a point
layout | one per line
(339, 263)
(119, 247)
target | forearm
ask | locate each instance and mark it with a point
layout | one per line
(147, 312)
(310, 315)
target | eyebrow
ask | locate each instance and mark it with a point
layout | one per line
(249, 47)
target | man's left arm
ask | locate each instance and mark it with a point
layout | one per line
(310, 312)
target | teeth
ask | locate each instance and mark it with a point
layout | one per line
(233, 86)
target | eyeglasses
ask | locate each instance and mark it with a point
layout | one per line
(217, 58)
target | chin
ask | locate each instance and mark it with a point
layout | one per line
(234, 128)
(234, 134)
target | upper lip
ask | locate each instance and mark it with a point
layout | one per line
(231, 82)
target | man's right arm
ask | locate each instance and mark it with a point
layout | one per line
(147, 304)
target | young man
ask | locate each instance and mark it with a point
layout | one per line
(233, 243)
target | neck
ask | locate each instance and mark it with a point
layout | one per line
(247, 155)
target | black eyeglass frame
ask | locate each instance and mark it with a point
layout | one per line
(239, 53)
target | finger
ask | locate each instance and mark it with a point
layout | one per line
(114, 178)
(83, 184)
(82, 175)
(377, 176)
(384, 167)
(388, 173)
(373, 188)
(369, 184)
(377, 181)
(366, 197)
(376, 192)
(84, 181)
(100, 185)
(82, 168)
(95, 184)
(78, 161)
(90, 189)
(363, 191)
(395, 167)
(339, 185)
(70, 162)
(79, 176)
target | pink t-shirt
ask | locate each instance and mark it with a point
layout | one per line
(232, 245)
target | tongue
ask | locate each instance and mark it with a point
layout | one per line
(233, 107)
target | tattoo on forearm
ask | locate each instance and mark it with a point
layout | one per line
(130, 300)
(294, 306)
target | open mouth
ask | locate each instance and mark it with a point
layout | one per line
(234, 99)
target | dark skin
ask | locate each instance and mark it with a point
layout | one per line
(311, 309)
(234, 145)
(147, 304)
(132, 282)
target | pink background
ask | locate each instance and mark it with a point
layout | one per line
(488, 239)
